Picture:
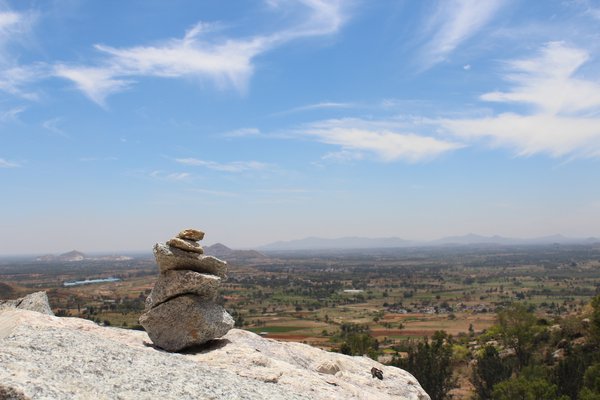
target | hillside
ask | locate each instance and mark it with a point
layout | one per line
(70, 358)
(65, 257)
(219, 250)
(74, 255)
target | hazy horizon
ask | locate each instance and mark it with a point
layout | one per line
(125, 122)
(438, 241)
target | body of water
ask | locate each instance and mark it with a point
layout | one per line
(88, 281)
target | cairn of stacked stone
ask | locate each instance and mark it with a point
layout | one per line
(181, 310)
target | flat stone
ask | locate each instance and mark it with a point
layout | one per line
(185, 321)
(175, 283)
(191, 234)
(186, 245)
(172, 258)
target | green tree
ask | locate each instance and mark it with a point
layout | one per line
(568, 373)
(358, 341)
(523, 388)
(488, 371)
(431, 364)
(518, 329)
(595, 320)
(591, 384)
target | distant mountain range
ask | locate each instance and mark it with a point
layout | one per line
(316, 243)
(75, 255)
(219, 250)
(347, 243)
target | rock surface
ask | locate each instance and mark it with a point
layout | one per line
(46, 357)
(174, 283)
(169, 258)
(185, 321)
(37, 301)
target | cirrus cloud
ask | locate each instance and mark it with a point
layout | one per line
(386, 140)
(234, 166)
(563, 120)
(8, 164)
(226, 62)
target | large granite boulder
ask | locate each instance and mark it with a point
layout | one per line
(185, 321)
(45, 357)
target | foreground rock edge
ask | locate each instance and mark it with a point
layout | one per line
(63, 358)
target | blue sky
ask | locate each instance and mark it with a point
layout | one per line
(123, 122)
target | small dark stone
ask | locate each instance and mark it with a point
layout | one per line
(377, 373)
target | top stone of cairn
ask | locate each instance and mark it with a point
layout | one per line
(191, 234)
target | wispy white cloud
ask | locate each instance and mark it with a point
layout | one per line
(226, 62)
(317, 106)
(93, 159)
(387, 140)
(343, 156)
(242, 132)
(11, 114)
(532, 134)
(174, 176)
(96, 82)
(53, 126)
(452, 23)
(547, 81)
(563, 120)
(594, 12)
(284, 190)
(15, 79)
(218, 193)
(234, 167)
(8, 164)
(15, 28)
(324, 17)
(589, 7)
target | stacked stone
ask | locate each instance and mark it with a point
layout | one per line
(181, 310)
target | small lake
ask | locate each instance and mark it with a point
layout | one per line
(88, 281)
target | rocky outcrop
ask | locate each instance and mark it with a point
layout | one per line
(37, 301)
(46, 357)
(180, 310)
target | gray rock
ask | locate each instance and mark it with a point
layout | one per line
(191, 234)
(169, 258)
(175, 283)
(185, 245)
(47, 357)
(185, 321)
(37, 301)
